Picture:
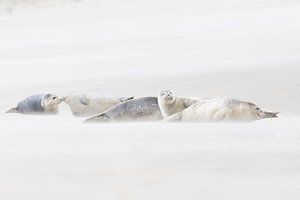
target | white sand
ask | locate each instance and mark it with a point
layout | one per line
(244, 49)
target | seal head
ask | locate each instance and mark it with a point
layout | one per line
(50, 103)
(258, 113)
(167, 97)
(170, 104)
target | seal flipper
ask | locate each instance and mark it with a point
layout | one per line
(189, 102)
(13, 110)
(123, 99)
(84, 100)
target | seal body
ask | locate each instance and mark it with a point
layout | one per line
(38, 104)
(170, 104)
(221, 109)
(141, 109)
(85, 105)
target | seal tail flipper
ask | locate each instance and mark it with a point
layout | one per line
(174, 118)
(98, 118)
(12, 110)
(123, 99)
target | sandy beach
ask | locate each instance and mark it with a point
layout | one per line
(243, 49)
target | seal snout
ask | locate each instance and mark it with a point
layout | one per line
(63, 99)
(170, 98)
(270, 114)
(59, 100)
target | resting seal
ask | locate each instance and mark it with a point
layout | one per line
(91, 104)
(141, 109)
(38, 104)
(221, 109)
(170, 104)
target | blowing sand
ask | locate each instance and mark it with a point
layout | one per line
(242, 49)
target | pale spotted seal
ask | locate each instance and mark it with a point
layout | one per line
(90, 104)
(221, 109)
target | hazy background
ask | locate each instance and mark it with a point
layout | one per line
(247, 49)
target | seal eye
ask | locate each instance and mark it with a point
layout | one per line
(53, 98)
(257, 109)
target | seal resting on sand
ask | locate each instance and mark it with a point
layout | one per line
(221, 109)
(86, 105)
(38, 104)
(170, 104)
(141, 109)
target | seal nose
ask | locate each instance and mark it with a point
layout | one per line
(271, 114)
(169, 96)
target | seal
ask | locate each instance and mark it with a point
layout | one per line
(221, 109)
(170, 104)
(90, 104)
(137, 110)
(38, 104)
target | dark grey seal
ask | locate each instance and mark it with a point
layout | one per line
(141, 109)
(38, 104)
